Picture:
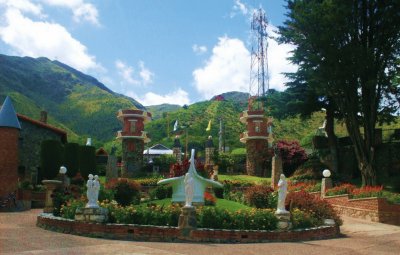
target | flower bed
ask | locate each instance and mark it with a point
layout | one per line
(369, 203)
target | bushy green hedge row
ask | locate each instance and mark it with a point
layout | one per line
(74, 157)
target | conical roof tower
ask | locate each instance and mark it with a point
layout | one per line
(8, 117)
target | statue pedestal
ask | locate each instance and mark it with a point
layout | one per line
(283, 220)
(187, 219)
(51, 185)
(93, 214)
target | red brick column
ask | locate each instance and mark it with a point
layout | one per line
(8, 160)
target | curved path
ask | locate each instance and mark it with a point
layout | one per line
(19, 235)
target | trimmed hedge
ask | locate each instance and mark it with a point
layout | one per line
(51, 158)
(71, 156)
(87, 160)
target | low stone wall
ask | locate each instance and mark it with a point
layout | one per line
(373, 209)
(173, 234)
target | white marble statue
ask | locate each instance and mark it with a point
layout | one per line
(189, 189)
(282, 192)
(91, 193)
(96, 188)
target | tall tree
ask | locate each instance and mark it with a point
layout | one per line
(347, 51)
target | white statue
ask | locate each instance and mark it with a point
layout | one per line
(96, 189)
(282, 192)
(90, 193)
(189, 189)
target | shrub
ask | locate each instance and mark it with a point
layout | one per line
(340, 190)
(161, 192)
(60, 198)
(319, 208)
(150, 215)
(260, 197)
(219, 192)
(78, 179)
(150, 181)
(209, 199)
(310, 169)
(293, 155)
(256, 219)
(68, 210)
(303, 219)
(125, 191)
(309, 187)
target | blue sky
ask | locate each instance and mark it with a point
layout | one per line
(156, 51)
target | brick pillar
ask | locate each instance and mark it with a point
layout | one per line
(209, 157)
(257, 153)
(176, 151)
(132, 157)
(8, 160)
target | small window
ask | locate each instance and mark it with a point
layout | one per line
(133, 127)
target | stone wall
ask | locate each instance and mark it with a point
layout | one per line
(173, 234)
(29, 150)
(8, 160)
(371, 209)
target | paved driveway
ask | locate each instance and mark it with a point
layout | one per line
(19, 235)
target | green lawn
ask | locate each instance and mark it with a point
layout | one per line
(245, 178)
(221, 203)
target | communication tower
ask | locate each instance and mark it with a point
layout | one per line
(259, 76)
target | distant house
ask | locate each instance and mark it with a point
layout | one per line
(101, 156)
(156, 151)
(33, 133)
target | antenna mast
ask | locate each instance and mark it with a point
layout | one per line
(259, 76)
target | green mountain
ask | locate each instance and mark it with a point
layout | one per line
(84, 107)
(159, 111)
(74, 101)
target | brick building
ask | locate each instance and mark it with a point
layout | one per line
(21, 138)
(9, 134)
(33, 133)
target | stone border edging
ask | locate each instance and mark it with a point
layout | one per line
(173, 234)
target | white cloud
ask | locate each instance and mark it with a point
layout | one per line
(129, 76)
(199, 49)
(228, 69)
(178, 96)
(45, 39)
(126, 73)
(82, 11)
(24, 6)
(277, 61)
(145, 74)
(239, 7)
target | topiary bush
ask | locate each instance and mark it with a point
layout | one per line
(125, 191)
(51, 158)
(71, 158)
(87, 160)
(260, 197)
